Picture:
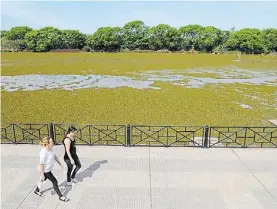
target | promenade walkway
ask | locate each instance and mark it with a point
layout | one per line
(145, 178)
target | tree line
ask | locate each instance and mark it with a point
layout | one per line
(136, 36)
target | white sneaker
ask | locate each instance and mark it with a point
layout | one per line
(71, 183)
(74, 181)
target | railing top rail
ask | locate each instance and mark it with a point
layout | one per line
(243, 126)
(27, 124)
(84, 124)
(166, 126)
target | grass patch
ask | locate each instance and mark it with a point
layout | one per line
(122, 63)
(170, 105)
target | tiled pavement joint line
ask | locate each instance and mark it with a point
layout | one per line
(25, 197)
(254, 175)
(150, 179)
(166, 180)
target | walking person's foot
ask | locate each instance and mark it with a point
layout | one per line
(70, 183)
(37, 193)
(64, 199)
(74, 181)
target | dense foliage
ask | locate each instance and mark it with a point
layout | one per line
(136, 36)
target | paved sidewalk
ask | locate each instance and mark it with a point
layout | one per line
(145, 178)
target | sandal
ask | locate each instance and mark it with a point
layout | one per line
(64, 199)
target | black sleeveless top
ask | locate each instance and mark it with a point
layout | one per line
(72, 148)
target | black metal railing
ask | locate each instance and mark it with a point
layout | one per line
(24, 133)
(93, 134)
(168, 136)
(141, 135)
(243, 137)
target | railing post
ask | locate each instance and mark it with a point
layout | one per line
(51, 130)
(14, 135)
(206, 136)
(128, 135)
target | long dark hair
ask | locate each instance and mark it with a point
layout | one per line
(70, 129)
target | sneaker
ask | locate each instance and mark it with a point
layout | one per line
(74, 181)
(71, 183)
(64, 199)
(37, 193)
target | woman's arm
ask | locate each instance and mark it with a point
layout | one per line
(42, 160)
(41, 168)
(57, 160)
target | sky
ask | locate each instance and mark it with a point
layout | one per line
(88, 16)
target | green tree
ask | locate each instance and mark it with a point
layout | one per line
(270, 38)
(145, 41)
(190, 36)
(4, 33)
(12, 45)
(164, 37)
(224, 36)
(210, 37)
(248, 40)
(44, 40)
(134, 35)
(18, 33)
(73, 39)
(105, 39)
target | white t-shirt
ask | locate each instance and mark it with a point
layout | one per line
(47, 158)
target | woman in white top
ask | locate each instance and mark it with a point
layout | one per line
(47, 162)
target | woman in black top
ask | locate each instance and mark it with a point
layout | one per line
(70, 156)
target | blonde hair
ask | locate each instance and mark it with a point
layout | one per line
(45, 141)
